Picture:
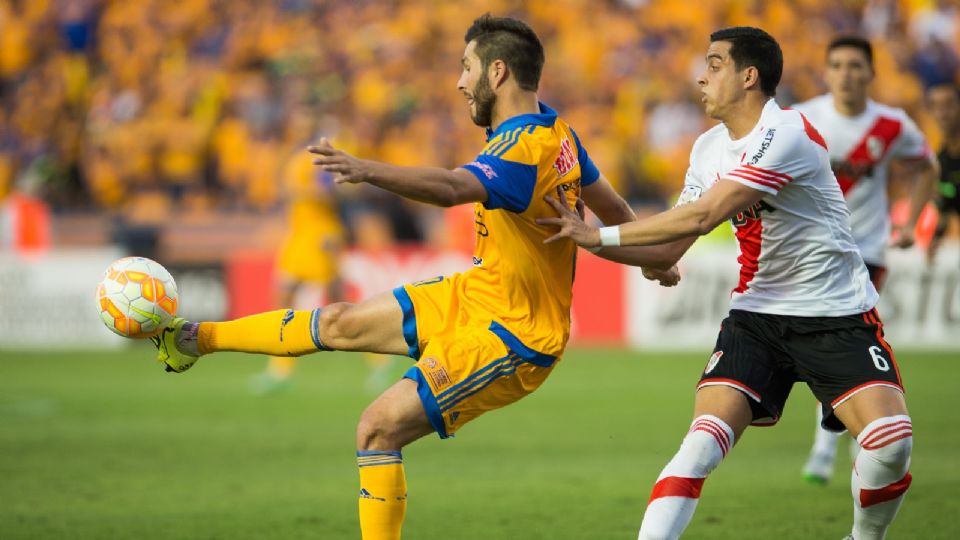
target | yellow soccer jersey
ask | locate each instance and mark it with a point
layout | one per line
(315, 234)
(517, 281)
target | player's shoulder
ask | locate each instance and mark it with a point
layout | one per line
(814, 106)
(887, 111)
(786, 125)
(716, 134)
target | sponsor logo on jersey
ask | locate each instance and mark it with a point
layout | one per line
(567, 159)
(767, 139)
(712, 363)
(477, 261)
(752, 214)
(453, 416)
(485, 169)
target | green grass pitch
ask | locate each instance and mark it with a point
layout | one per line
(105, 445)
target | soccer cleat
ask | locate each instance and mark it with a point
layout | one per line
(167, 352)
(819, 469)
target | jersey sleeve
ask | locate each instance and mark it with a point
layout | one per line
(773, 159)
(508, 172)
(589, 173)
(694, 185)
(911, 144)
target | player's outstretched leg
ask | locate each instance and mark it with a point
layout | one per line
(375, 325)
(721, 414)
(819, 466)
(392, 421)
(881, 474)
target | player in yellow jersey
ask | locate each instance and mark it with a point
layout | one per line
(483, 338)
(309, 256)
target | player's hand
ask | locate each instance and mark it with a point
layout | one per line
(570, 222)
(902, 237)
(346, 168)
(667, 278)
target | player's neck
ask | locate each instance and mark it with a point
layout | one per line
(850, 108)
(510, 104)
(744, 117)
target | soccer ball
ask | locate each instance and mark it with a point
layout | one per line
(137, 297)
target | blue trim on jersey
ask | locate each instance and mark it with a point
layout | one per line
(409, 322)
(428, 400)
(509, 184)
(511, 142)
(501, 143)
(589, 173)
(546, 118)
(514, 344)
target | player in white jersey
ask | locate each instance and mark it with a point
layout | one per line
(863, 138)
(803, 309)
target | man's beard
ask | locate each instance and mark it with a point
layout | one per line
(483, 101)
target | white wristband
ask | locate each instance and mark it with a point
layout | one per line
(610, 236)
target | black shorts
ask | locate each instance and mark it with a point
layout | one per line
(763, 355)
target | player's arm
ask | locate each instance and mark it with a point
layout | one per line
(432, 185)
(721, 202)
(612, 209)
(924, 174)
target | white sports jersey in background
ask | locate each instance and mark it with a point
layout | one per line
(797, 256)
(861, 148)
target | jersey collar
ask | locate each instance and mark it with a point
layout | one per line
(546, 118)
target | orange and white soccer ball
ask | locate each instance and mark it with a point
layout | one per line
(137, 297)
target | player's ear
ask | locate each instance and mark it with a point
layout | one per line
(751, 77)
(497, 74)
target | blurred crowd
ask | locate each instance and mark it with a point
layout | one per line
(155, 108)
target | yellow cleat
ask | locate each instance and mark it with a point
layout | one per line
(167, 352)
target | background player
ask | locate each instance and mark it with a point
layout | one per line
(864, 137)
(308, 258)
(943, 102)
(804, 307)
(478, 344)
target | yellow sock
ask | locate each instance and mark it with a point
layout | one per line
(284, 332)
(383, 494)
(281, 367)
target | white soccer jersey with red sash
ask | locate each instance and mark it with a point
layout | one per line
(861, 148)
(797, 255)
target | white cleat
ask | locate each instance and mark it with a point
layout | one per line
(819, 468)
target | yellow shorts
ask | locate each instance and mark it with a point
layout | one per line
(463, 369)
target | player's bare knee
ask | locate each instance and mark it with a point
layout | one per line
(375, 431)
(335, 328)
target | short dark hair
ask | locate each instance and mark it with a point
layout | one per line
(753, 47)
(512, 41)
(854, 42)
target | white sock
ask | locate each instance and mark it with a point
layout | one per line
(824, 441)
(880, 475)
(677, 491)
